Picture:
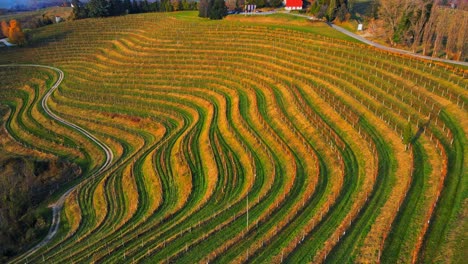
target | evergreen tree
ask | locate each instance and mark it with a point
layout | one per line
(155, 7)
(331, 9)
(127, 5)
(218, 9)
(116, 7)
(98, 8)
(145, 6)
(79, 10)
(135, 8)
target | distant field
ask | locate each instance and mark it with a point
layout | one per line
(28, 19)
(261, 139)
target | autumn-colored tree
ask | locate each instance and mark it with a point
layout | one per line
(462, 37)
(440, 31)
(453, 26)
(394, 13)
(434, 25)
(5, 28)
(418, 20)
(176, 5)
(428, 34)
(15, 34)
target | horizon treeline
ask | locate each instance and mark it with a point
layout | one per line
(106, 8)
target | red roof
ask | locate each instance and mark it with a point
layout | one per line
(293, 3)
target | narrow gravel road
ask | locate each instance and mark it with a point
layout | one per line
(379, 46)
(58, 205)
(400, 51)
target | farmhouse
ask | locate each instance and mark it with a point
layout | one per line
(293, 4)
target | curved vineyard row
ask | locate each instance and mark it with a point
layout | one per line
(243, 142)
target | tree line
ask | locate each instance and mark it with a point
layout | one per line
(331, 9)
(432, 27)
(213, 9)
(106, 8)
(25, 183)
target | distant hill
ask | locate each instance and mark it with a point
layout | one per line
(30, 19)
(29, 5)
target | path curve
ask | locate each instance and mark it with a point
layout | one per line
(380, 46)
(58, 205)
(400, 51)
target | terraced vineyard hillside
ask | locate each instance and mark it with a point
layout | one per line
(243, 141)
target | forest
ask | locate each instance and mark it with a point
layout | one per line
(24, 183)
(435, 28)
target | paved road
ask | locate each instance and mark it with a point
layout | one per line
(58, 205)
(400, 51)
(379, 46)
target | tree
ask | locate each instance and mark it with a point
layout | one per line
(373, 10)
(176, 5)
(127, 5)
(166, 6)
(155, 7)
(98, 8)
(186, 5)
(342, 13)
(218, 10)
(462, 37)
(5, 29)
(394, 13)
(144, 6)
(116, 8)
(204, 8)
(439, 32)
(15, 33)
(79, 10)
(427, 23)
(407, 135)
(453, 26)
(331, 9)
(135, 8)
(24, 184)
(418, 21)
(276, 3)
(428, 33)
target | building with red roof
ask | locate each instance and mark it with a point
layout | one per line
(293, 4)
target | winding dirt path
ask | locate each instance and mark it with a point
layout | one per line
(58, 205)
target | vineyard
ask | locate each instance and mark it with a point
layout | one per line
(242, 141)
